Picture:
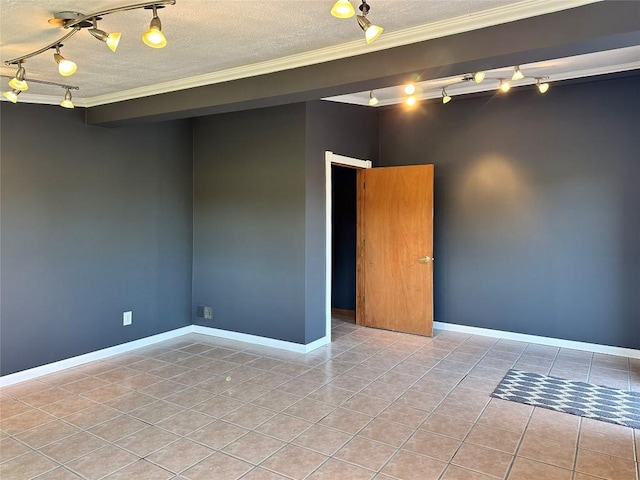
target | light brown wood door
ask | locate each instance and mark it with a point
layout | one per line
(395, 248)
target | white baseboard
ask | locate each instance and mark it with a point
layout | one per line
(553, 342)
(256, 340)
(90, 357)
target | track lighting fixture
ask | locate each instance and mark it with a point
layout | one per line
(409, 89)
(504, 86)
(542, 87)
(66, 67)
(410, 101)
(154, 37)
(517, 73)
(67, 103)
(18, 82)
(111, 39)
(76, 21)
(478, 77)
(343, 9)
(373, 100)
(445, 96)
(12, 95)
(371, 32)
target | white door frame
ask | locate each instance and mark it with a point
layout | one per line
(331, 158)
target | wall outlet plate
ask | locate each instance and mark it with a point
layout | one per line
(208, 313)
(127, 318)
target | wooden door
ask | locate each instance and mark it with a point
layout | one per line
(395, 248)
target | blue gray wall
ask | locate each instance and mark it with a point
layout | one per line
(94, 222)
(537, 227)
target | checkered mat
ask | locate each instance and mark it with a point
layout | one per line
(577, 398)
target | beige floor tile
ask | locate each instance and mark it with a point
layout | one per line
(147, 441)
(483, 460)
(404, 414)
(101, 463)
(180, 455)
(189, 397)
(276, 400)
(447, 426)
(294, 462)
(92, 416)
(217, 434)
(410, 466)
(219, 467)
(334, 469)
(331, 394)
(9, 448)
(10, 407)
(322, 439)
(246, 392)
(59, 473)
(367, 405)
(423, 401)
(365, 453)
(495, 438)
(141, 470)
(525, 469)
(218, 406)
(262, 474)
(46, 397)
(26, 466)
(25, 421)
(310, 410)
(85, 385)
(67, 406)
(605, 466)
(253, 447)
(73, 447)
(608, 439)
(185, 422)
(457, 473)
(47, 433)
(118, 428)
(557, 426)
(284, 427)
(547, 451)
(131, 401)
(346, 420)
(504, 420)
(106, 393)
(249, 416)
(156, 412)
(163, 389)
(432, 445)
(349, 382)
(391, 433)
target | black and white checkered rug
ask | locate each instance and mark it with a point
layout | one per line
(577, 398)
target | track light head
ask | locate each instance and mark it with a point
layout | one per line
(343, 9)
(445, 97)
(66, 67)
(504, 86)
(410, 101)
(154, 37)
(373, 100)
(478, 77)
(409, 89)
(111, 39)
(67, 103)
(517, 73)
(543, 87)
(371, 32)
(12, 95)
(18, 82)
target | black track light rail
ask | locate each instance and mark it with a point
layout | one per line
(44, 82)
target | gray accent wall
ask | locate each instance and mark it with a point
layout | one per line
(249, 221)
(537, 223)
(94, 222)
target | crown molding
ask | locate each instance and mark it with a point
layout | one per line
(487, 18)
(488, 85)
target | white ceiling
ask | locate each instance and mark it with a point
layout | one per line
(211, 41)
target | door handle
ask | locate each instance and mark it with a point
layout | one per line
(426, 259)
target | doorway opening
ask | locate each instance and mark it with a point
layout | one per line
(344, 288)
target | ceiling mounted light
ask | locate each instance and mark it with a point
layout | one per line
(371, 32)
(18, 82)
(517, 73)
(542, 87)
(67, 103)
(343, 9)
(373, 100)
(409, 89)
(66, 67)
(504, 86)
(12, 95)
(410, 101)
(111, 39)
(154, 37)
(445, 96)
(478, 77)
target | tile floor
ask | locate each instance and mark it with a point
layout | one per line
(373, 404)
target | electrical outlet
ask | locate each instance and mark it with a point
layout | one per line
(208, 313)
(127, 318)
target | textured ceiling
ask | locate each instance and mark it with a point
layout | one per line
(204, 36)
